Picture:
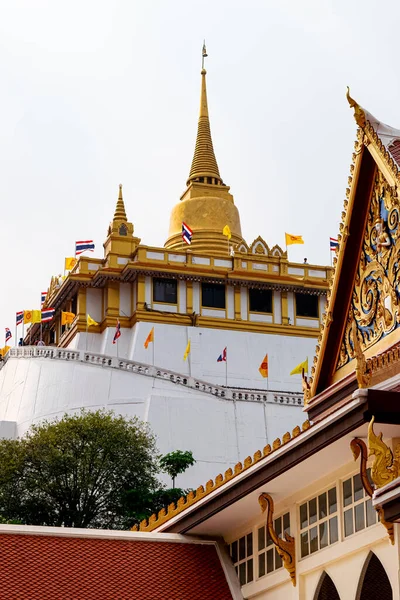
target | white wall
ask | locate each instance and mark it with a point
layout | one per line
(219, 432)
(245, 353)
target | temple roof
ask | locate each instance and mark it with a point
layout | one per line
(120, 212)
(55, 562)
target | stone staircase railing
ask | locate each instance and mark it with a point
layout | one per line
(113, 362)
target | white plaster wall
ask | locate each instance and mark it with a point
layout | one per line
(182, 295)
(244, 299)
(94, 303)
(230, 311)
(290, 300)
(196, 297)
(277, 308)
(147, 291)
(246, 351)
(125, 299)
(219, 432)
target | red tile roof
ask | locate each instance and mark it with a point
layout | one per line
(67, 568)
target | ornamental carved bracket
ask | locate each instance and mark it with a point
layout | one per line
(285, 548)
(359, 448)
(386, 467)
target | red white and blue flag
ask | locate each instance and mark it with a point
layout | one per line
(333, 243)
(8, 335)
(83, 246)
(48, 314)
(117, 333)
(186, 233)
(222, 356)
(43, 298)
(19, 317)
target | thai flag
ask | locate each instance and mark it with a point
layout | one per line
(43, 298)
(222, 357)
(83, 246)
(117, 333)
(186, 233)
(333, 243)
(19, 317)
(48, 314)
(8, 335)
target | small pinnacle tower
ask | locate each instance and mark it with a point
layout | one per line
(120, 241)
(206, 206)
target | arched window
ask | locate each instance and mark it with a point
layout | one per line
(123, 230)
(374, 584)
(326, 589)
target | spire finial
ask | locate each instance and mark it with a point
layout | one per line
(120, 208)
(204, 167)
(203, 55)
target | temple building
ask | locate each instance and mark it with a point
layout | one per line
(315, 514)
(219, 296)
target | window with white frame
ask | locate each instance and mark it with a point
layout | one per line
(318, 519)
(268, 558)
(358, 512)
(241, 551)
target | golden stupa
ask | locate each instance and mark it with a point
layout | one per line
(206, 206)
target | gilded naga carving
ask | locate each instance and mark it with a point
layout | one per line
(359, 448)
(375, 304)
(386, 467)
(285, 548)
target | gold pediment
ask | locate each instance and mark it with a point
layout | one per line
(374, 311)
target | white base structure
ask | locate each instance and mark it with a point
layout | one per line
(220, 425)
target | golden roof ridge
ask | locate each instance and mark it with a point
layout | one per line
(165, 514)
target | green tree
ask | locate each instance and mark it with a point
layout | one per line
(176, 462)
(78, 471)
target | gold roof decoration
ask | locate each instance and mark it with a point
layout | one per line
(383, 144)
(120, 207)
(206, 206)
(259, 246)
(194, 496)
(204, 163)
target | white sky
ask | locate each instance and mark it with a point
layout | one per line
(95, 93)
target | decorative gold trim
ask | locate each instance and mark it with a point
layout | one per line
(385, 467)
(286, 548)
(173, 509)
(359, 448)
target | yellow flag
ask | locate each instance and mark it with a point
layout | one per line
(90, 321)
(36, 316)
(68, 317)
(299, 369)
(293, 239)
(150, 338)
(264, 366)
(226, 231)
(187, 351)
(70, 263)
(27, 316)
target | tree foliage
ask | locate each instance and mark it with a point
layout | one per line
(81, 471)
(176, 462)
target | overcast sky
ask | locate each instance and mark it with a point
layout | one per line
(94, 94)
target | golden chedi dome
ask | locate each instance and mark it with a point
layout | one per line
(206, 206)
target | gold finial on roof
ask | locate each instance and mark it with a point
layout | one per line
(120, 208)
(204, 165)
(359, 114)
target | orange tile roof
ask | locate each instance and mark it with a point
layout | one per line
(51, 567)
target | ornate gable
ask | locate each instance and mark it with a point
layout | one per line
(363, 310)
(374, 306)
(259, 246)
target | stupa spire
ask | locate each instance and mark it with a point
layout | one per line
(204, 165)
(120, 207)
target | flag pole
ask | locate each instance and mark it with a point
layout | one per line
(153, 347)
(86, 333)
(16, 329)
(23, 327)
(41, 331)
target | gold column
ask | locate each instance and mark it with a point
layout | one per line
(189, 297)
(237, 303)
(112, 299)
(284, 308)
(141, 292)
(81, 308)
